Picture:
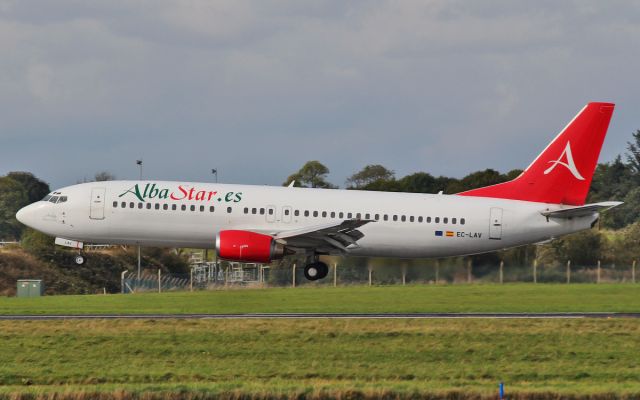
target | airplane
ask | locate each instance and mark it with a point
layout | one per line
(262, 224)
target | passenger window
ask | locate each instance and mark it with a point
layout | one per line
(395, 217)
(271, 211)
(296, 213)
(453, 221)
(358, 216)
(324, 214)
(437, 220)
(349, 215)
(165, 206)
(262, 211)
(201, 208)
(315, 213)
(157, 206)
(333, 214)
(306, 213)
(445, 220)
(148, 206)
(367, 216)
(286, 212)
(386, 217)
(115, 204)
(212, 209)
(246, 210)
(411, 219)
(140, 206)
(377, 217)
(229, 210)
(428, 220)
(420, 219)
(174, 207)
(131, 205)
(404, 218)
(192, 208)
(254, 210)
(123, 205)
(462, 221)
(183, 207)
(341, 215)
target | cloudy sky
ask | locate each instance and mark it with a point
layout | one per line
(256, 88)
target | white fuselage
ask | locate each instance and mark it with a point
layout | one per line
(408, 225)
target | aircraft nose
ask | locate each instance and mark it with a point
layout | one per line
(25, 215)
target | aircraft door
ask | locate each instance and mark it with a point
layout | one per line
(271, 213)
(495, 224)
(286, 214)
(96, 208)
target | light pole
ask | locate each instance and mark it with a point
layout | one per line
(214, 171)
(139, 163)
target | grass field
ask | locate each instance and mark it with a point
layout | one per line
(422, 298)
(321, 359)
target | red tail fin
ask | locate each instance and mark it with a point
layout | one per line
(562, 173)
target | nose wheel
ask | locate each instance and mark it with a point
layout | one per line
(79, 259)
(316, 270)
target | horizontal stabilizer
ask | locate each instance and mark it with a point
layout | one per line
(581, 211)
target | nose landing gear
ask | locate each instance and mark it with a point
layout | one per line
(316, 270)
(79, 259)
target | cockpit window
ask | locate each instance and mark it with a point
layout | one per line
(47, 197)
(54, 199)
(62, 199)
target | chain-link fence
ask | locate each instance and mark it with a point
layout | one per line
(209, 275)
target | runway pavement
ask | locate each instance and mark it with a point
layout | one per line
(572, 315)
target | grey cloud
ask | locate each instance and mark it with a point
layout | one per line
(257, 88)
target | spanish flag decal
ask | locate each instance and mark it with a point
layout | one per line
(449, 234)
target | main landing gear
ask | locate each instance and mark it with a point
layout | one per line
(316, 270)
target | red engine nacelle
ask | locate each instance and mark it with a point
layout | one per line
(248, 246)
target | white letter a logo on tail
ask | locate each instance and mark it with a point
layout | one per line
(571, 166)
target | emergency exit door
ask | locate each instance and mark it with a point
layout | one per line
(96, 209)
(495, 224)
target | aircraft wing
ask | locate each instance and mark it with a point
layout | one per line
(581, 211)
(326, 238)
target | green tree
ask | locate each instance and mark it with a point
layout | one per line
(369, 175)
(34, 187)
(422, 182)
(312, 174)
(13, 196)
(477, 179)
(633, 153)
(104, 176)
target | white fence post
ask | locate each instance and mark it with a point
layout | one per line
(569, 271)
(294, 275)
(535, 271)
(191, 281)
(598, 276)
(370, 271)
(501, 271)
(159, 281)
(469, 271)
(122, 279)
(633, 272)
(335, 274)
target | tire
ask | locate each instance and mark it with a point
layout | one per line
(311, 272)
(316, 270)
(79, 259)
(323, 268)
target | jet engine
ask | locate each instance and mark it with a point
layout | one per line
(246, 246)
